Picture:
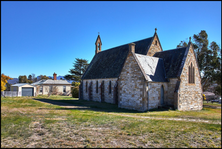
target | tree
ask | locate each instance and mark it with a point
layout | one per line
(4, 80)
(23, 79)
(80, 66)
(43, 77)
(182, 44)
(30, 77)
(34, 79)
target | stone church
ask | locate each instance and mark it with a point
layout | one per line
(141, 76)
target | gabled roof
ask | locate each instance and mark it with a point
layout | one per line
(152, 67)
(172, 61)
(50, 81)
(109, 63)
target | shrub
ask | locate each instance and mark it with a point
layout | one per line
(75, 92)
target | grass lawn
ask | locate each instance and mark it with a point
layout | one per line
(28, 122)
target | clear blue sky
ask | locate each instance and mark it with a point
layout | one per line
(43, 37)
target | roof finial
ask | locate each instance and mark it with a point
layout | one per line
(98, 33)
(189, 39)
(155, 30)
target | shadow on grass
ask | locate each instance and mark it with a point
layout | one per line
(92, 105)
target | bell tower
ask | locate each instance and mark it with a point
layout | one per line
(98, 45)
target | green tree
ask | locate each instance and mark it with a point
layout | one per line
(41, 77)
(80, 66)
(182, 44)
(23, 79)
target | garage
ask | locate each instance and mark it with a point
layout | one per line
(23, 89)
(27, 91)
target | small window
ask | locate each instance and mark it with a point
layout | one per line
(109, 87)
(155, 42)
(86, 86)
(191, 74)
(40, 89)
(96, 86)
(64, 89)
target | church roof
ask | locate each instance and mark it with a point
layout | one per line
(109, 63)
(153, 68)
(172, 61)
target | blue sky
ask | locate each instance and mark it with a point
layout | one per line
(44, 37)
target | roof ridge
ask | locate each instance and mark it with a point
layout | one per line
(171, 49)
(124, 44)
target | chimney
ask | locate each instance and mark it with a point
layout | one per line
(54, 76)
(132, 47)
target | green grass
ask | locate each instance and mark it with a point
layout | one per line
(30, 123)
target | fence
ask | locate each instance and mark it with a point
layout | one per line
(10, 93)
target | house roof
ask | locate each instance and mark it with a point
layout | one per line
(172, 61)
(153, 68)
(109, 63)
(22, 84)
(50, 81)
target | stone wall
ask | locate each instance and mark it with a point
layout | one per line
(171, 88)
(131, 85)
(154, 94)
(155, 47)
(97, 96)
(190, 94)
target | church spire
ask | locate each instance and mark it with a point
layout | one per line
(98, 44)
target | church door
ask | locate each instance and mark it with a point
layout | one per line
(162, 96)
(102, 91)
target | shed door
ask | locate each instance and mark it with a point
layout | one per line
(162, 96)
(27, 91)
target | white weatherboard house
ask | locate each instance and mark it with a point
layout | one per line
(24, 89)
(45, 86)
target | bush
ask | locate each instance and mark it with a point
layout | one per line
(75, 92)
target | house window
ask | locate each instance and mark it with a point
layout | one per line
(86, 86)
(109, 87)
(64, 89)
(40, 89)
(96, 86)
(191, 74)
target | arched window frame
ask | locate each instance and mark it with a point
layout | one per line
(86, 86)
(191, 74)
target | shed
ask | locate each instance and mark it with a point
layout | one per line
(24, 89)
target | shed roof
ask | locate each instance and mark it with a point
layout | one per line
(153, 68)
(172, 61)
(22, 84)
(109, 63)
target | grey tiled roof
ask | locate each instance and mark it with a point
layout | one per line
(172, 61)
(109, 63)
(153, 68)
(50, 81)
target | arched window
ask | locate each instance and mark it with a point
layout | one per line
(109, 87)
(191, 74)
(96, 86)
(155, 42)
(86, 86)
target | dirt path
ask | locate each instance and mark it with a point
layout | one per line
(173, 119)
(71, 106)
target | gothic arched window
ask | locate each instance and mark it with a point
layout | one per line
(86, 86)
(96, 86)
(109, 87)
(191, 73)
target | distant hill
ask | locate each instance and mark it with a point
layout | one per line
(14, 81)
